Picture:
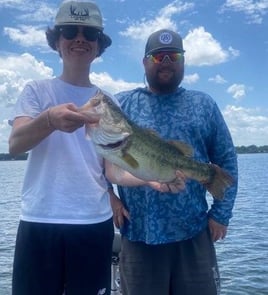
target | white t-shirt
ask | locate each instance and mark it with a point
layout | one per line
(64, 180)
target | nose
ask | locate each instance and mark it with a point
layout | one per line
(166, 59)
(80, 35)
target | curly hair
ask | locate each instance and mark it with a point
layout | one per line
(53, 36)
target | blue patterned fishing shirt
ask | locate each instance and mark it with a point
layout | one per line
(194, 118)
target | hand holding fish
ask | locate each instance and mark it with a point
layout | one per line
(68, 118)
(174, 187)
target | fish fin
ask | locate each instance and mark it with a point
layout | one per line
(220, 181)
(184, 148)
(130, 160)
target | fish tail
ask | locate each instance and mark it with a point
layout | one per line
(219, 182)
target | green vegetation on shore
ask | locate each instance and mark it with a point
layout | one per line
(251, 149)
(8, 157)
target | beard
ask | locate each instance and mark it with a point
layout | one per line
(164, 80)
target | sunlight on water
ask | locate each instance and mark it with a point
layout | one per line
(243, 255)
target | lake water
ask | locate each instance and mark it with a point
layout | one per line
(242, 256)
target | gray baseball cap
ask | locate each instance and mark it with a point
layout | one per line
(166, 40)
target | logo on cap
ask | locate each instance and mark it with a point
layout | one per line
(81, 15)
(165, 38)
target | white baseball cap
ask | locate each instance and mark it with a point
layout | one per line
(85, 13)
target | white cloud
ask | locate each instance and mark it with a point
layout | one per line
(27, 36)
(38, 11)
(253, 10)
(140, 30)
(175, 7)
(11, 3)
(218, 79)
(16, 71)
(237, 91)
(233, 52)
(106, 82)
(203, 50)
(247, 126)
(190, 79)
(31, 11)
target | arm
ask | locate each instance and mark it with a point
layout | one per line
(121, 177)
(28, 132)
(222, 152)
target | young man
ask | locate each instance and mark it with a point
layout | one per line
(65, 235)
(167, 243)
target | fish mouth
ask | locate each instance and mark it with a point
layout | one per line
(114, 145)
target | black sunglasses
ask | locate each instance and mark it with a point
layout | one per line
(70, 32)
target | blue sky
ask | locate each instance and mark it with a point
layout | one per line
(226, 45)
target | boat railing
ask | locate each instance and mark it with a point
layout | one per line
(115, 278)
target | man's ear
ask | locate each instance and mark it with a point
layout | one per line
(144, 60)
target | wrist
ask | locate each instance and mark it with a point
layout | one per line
(50, 124)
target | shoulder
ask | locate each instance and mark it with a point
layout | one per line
(39, 85)
(197, 95)
(124, 96)
(43, 82)
(199, 99)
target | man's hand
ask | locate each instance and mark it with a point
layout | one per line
(218, 231)
(174, 187)
(119, 211)
(67, 117)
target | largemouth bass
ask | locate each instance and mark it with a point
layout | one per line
(143, 153)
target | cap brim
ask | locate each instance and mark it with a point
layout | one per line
(160, 49)
(78, 24)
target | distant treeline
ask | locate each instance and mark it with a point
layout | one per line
(251, 149)
(8, 157)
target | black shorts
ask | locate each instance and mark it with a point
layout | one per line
(54, 258)
(182, 268)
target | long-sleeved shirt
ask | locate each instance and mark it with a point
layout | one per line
(192, 117)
